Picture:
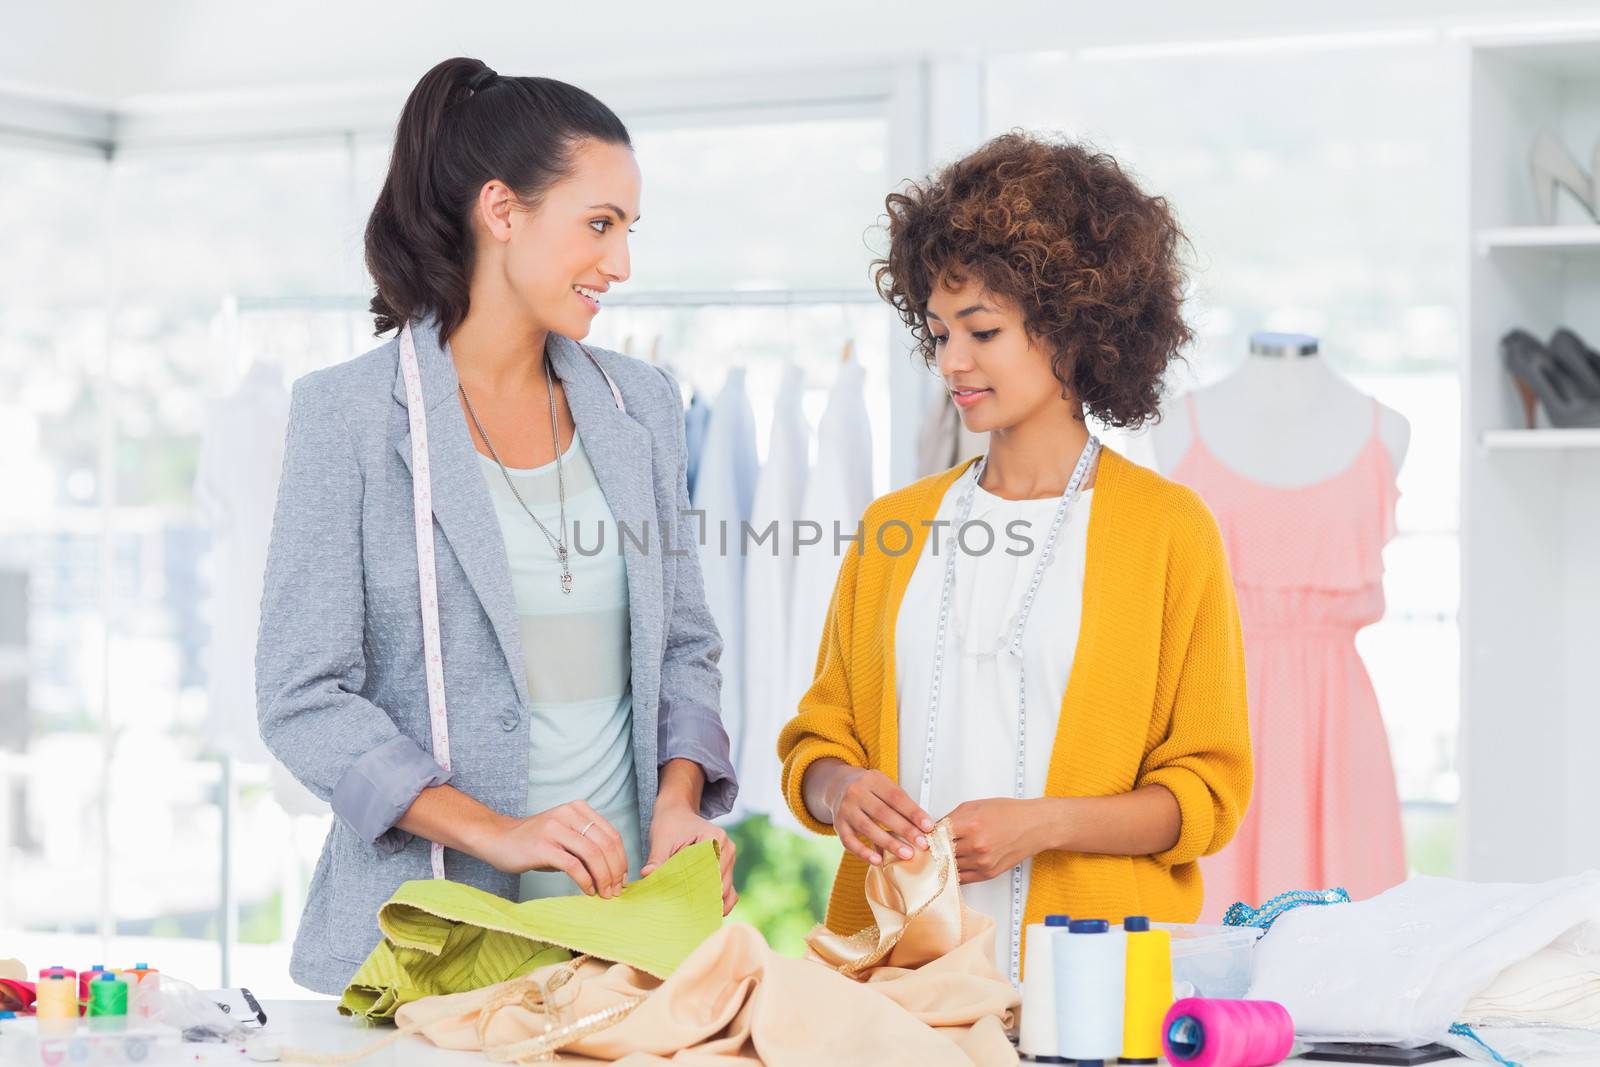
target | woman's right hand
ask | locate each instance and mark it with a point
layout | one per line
(554, 841)
(873, 815)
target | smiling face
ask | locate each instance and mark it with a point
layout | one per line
(558, 258)
(997, 374)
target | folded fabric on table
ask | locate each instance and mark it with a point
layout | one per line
(443, 937)
(920, 988)
(1432, 957)
(16, 995)
(1556, 986)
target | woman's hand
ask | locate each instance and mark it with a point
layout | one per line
(677, 826)
(873, 815)
(992, 836)
(556, 840)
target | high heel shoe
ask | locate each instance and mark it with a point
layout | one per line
(1554, 166)
(1543, 379)
(1581, 361)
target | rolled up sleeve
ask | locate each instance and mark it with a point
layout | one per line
(381, 786)
(310, 661)
(689, 725)
(825, 724)
(1205, 760)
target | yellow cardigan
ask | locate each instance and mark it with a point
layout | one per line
(1156, 694)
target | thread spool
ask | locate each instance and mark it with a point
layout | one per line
(56, 997)
(1200, 1032)
(108, 995)
(144, 995)
(1148, 990)
(1090, 962)
(86, 978)
(58, 971)
(1037, 1036)
(137, 973)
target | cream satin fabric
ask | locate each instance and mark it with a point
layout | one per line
(920, 987)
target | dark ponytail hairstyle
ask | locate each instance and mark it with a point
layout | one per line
(462, 126)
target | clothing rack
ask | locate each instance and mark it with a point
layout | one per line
(655, 298)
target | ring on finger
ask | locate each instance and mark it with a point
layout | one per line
(587, 827)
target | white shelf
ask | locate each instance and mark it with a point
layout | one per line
(1529, 575)
(1529, 440)
(1544, 238)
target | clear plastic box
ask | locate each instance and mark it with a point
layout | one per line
(28, 1042)
(1211, 961)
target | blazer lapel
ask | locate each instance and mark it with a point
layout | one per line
(461, 503)
(619, 451)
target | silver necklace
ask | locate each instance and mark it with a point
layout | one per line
(1086, 461)
(559, 544)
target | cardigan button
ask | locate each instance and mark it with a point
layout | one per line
(509, 722)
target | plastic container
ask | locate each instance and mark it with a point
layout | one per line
(1216, 962)
(28, 1042)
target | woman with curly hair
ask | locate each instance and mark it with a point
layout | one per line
(1042, 644)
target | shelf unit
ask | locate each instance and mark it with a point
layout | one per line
(1530, 613)
(1579, 239)
(1520, 440)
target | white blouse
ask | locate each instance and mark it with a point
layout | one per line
(975, 750)
(575, 648)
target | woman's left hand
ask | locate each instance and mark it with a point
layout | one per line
(992, 836)
(677, 826)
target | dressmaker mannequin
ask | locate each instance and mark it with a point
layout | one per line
(1284, 418)
(1298, 467)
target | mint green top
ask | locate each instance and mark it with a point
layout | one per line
(576, 649)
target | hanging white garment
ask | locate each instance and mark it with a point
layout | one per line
(695, 420)
(236, 488)
(725, 489)
(1404, 966)
(838, 491)
(768, 590)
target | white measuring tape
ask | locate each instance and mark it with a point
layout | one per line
(427, 579)
(1069, 497)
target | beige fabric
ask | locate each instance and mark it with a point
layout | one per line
(925, 990)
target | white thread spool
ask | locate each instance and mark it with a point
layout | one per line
(1090, 963)
(1037, 1036)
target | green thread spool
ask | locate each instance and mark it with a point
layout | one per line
(108, 995)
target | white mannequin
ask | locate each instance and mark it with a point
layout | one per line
(1283, 419)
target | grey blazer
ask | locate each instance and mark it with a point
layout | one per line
(340, 689)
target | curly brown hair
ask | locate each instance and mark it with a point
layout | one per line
(1062, 231)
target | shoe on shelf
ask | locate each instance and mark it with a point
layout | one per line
(1581, 361)
(1542, 379)
(1554, 166)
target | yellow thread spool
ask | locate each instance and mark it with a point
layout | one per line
(1147, 992)
(56, 998)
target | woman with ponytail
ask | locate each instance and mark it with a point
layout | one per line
(484, 639)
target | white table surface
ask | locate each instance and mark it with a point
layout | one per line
(317, 1026)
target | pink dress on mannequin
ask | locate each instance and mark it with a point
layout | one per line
(1308, 566)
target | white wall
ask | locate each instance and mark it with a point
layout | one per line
(113, 52)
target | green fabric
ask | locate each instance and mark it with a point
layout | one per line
(445, 937)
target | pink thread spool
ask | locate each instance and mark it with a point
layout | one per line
(1199, 1032)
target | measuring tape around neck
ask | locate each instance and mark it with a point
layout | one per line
(427, 577)
(1080, 473)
